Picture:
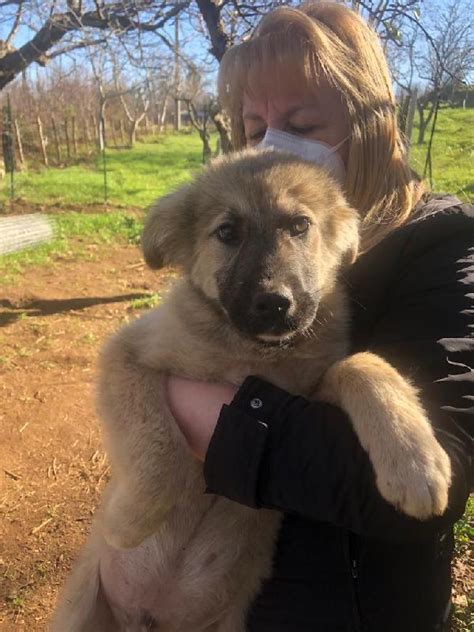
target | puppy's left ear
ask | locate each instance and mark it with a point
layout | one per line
(346, 232)
(167, 238)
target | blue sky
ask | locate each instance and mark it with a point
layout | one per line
(197, 45)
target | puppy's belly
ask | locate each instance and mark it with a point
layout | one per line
(189, 571)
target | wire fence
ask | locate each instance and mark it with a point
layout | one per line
(82, 159)
(65, 164)
(18, 232)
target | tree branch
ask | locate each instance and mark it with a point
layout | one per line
(116, 17)
(16, 23)
(71, 47)
(211, 12)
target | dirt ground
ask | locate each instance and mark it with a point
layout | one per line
(53, 322)
(52, 466)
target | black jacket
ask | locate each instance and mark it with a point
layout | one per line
(346, 560)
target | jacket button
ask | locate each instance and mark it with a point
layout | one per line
(256, 403)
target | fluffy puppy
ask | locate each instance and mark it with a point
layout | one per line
(261, 238)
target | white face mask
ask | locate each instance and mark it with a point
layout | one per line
(312, 150)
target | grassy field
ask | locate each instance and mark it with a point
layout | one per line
(135, 177)
(73, 196)
(453, 153)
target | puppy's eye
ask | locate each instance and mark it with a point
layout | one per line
(299, 226)
(228, 234)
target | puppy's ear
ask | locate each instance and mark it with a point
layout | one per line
(167, 237)
(347, 227)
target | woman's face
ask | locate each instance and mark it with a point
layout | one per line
(317, 115)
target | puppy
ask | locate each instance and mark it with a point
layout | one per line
(261, 238)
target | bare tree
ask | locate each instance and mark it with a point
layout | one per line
(200, 121)
(445, 65)
(135, 104)
(138, 29)
(61, 27)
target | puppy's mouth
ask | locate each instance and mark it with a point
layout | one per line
(282, 333)
(287, 338)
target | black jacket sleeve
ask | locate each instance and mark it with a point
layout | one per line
(272, 449)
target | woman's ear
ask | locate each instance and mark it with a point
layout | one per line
(167, 238)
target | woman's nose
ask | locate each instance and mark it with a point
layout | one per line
(275, 119)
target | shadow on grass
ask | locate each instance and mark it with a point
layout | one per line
(48, 307)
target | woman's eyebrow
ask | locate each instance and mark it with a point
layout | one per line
(303, 108)
(252, 116)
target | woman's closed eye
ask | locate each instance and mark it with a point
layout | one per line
(256, 136)
(302, 130)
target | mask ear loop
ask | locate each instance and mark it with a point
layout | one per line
(340, 144)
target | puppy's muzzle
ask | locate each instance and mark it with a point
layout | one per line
(270, 310)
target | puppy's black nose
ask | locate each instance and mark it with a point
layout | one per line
(270, 306)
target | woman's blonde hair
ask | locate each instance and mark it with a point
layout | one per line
(294, 47)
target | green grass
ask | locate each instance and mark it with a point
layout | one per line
(464, 528)
(145, 303)
(135, 176)
(452, 154)
(463, 616)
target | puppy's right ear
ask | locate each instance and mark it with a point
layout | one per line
(167, 237)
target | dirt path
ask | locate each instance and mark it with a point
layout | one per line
(52, 466)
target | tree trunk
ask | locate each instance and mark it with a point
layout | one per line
(177, 114)
(95, 127)
(162, 115)
(132, 133)
(66, 136)
(87, 136)
(206, 147)
(73, 133)
(101, 125)
(19, 143)
(113, 134)
(424, 122)
(122, 132)
(223, 127)
(42, 140)
(56, 141)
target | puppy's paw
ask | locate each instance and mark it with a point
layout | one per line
(415, 475)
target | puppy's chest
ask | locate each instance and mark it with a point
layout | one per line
(299, 378)
(298, 373)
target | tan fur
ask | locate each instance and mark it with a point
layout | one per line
(202, 556)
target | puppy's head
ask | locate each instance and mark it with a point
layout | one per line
(260, 234)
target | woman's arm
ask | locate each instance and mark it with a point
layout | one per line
(303, 457)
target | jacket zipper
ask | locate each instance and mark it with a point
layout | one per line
(354, 569)
(350, 546)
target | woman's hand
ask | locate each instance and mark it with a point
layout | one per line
(196, 407)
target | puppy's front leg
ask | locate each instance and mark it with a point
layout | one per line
(412, 470)
(150, 462)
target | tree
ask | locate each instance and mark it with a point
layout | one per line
(445, 65)
(61, 27)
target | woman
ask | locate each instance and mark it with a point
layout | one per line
(346, 560)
